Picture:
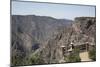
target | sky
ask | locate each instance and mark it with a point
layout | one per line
(60, 11)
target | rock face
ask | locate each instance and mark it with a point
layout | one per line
(45, 37)
(33, 28)
(85, 30)
(80, 32)
(31, 32)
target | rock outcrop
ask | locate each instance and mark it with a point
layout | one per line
(80, 32)
(45, 37)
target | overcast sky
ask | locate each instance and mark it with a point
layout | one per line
(53, 10)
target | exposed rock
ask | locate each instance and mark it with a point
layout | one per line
(81, 32)
(45, 36)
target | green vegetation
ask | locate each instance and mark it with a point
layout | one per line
(17, 59)
(35, 59)
(73, 57)
(92, 54)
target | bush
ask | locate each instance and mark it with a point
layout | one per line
(92, 54)
(17, 60)
(35, 59)
(73, 57)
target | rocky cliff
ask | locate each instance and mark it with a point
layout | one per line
(44, 37)
(80, 32)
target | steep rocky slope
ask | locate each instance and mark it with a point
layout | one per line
(31, 32)
(44, 37)
(80, 32)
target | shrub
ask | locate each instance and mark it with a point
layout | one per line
(35, 59)
(17, 60)
(73, 57)
(92, 54)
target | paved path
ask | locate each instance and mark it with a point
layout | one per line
(84, 56)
